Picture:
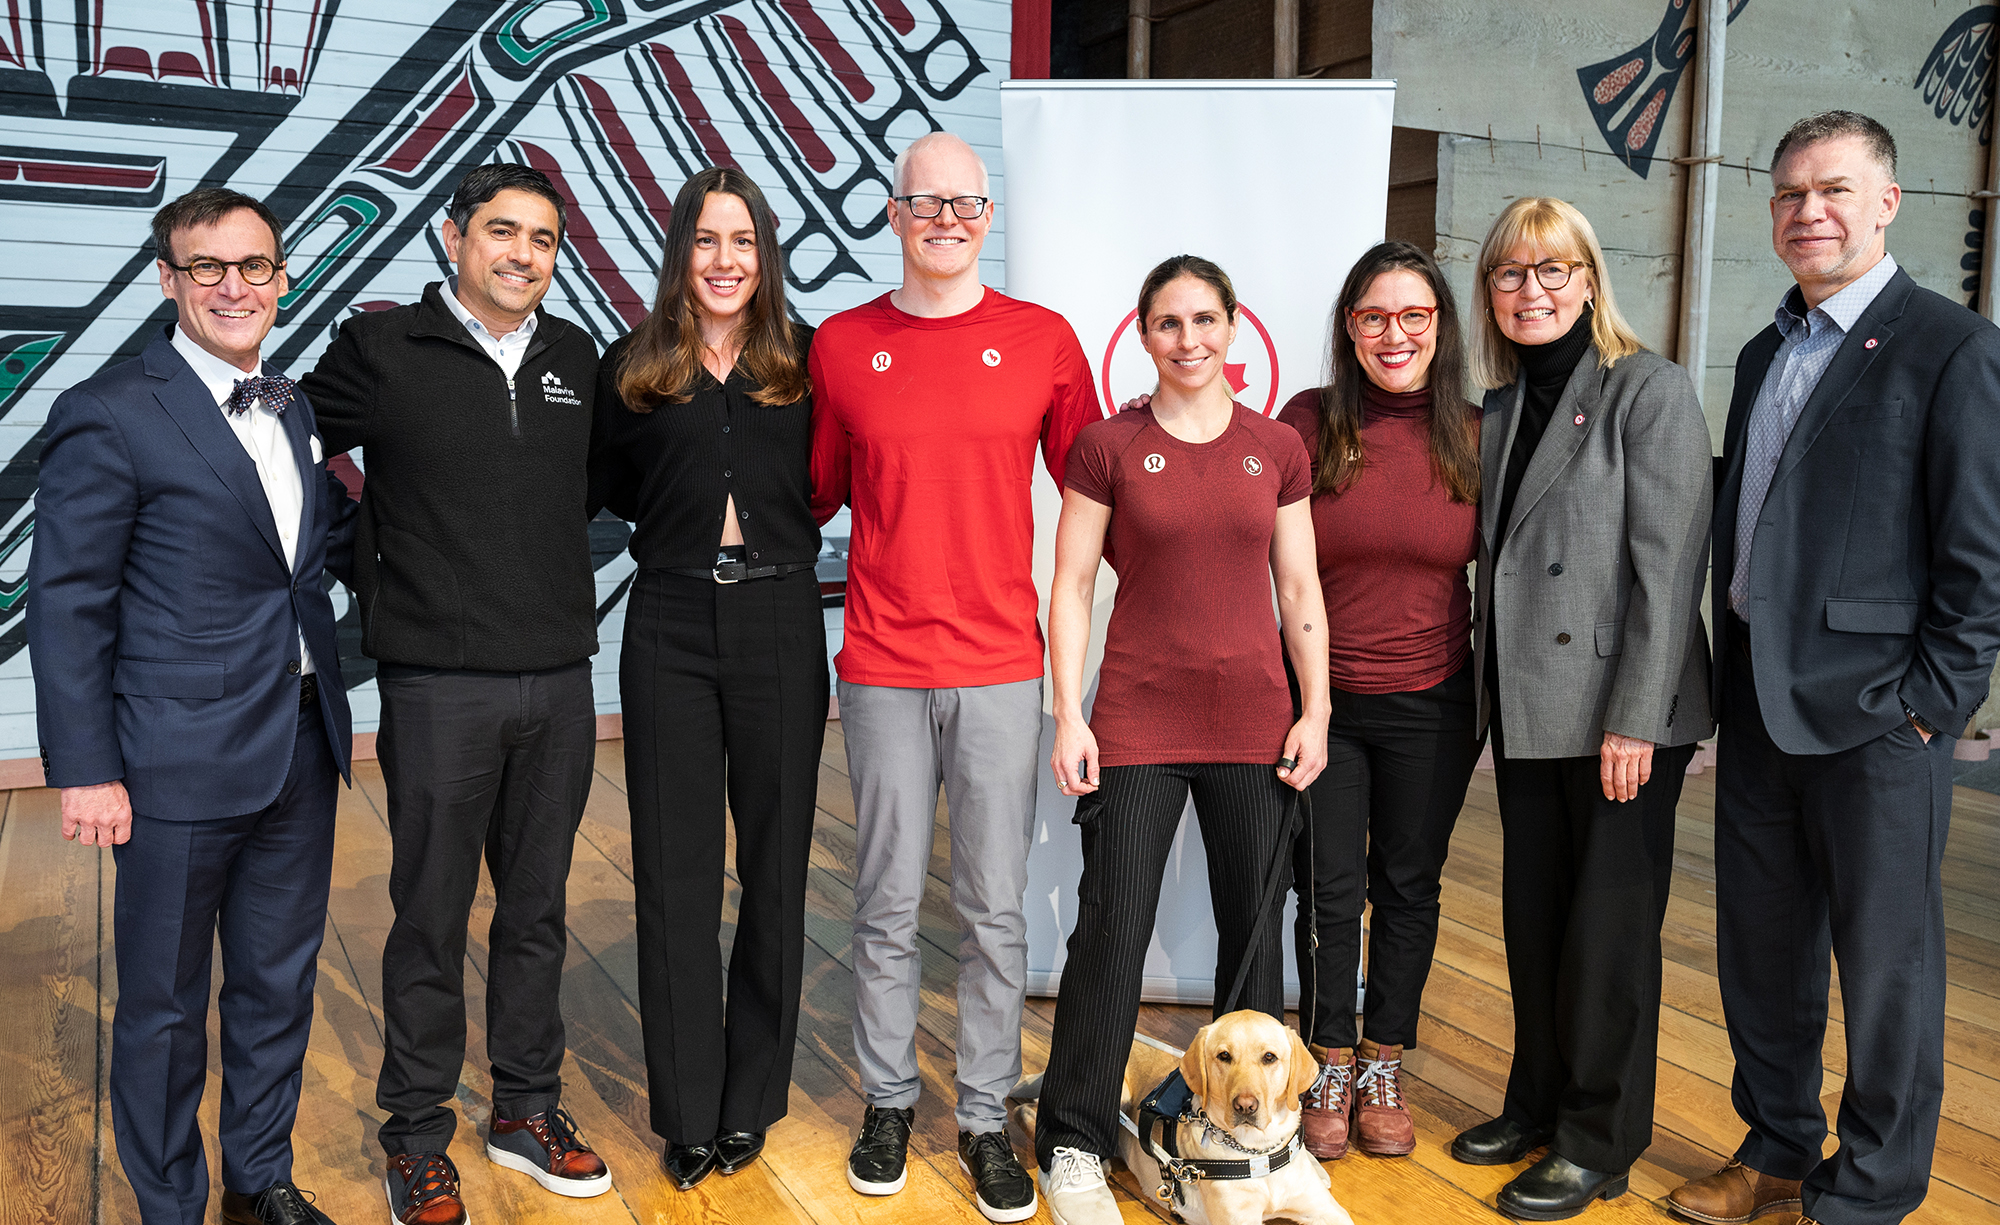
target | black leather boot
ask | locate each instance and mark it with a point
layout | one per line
(1499, 1141)
(1556, 1188)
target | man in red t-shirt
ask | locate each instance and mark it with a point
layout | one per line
(929, 403)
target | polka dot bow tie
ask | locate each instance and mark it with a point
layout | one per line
(274, 389)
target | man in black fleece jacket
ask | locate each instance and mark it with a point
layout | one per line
(473, 409)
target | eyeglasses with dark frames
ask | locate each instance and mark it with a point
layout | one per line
(1414, 320)
(255, 271)
(1552, 273)
(965, 208)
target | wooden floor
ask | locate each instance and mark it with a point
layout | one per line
(57, 991)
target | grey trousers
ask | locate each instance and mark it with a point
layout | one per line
(982, 744)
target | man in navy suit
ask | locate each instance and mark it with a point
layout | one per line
(180, 630)
(1857, 614)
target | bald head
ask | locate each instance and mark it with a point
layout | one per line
(934, 161)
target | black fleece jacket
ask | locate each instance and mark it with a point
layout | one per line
(472, 549)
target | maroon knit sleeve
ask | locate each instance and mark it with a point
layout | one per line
(1294, 469)
(1089, 469)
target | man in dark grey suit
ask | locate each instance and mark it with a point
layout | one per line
(1857, 607)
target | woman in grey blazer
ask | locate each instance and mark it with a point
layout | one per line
(1595, 470)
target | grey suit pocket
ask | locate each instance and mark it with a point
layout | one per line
(1853, 414)
(1873, 616)
(167, 678)
(1610, 637)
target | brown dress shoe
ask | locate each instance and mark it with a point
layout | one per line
(423, 1190)
(1734, 1194)
(1382, 1125)
(1323, 1119)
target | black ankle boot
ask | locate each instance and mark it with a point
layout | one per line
(1499, 1141)
(1556, 1188)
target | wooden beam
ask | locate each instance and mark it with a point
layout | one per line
(1285, 38)
(1138, 40)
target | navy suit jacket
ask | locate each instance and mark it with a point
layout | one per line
(163, 622)
(1875, 568)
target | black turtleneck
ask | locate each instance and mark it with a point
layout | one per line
(1546, 368)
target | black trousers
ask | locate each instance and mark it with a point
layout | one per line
(725, 696)
(1583, 895)
(492, 765)
(1383, 810)
(1832, 853)
(1248, 817)
(255, 884)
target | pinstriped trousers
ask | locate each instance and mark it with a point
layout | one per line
(1128, 829)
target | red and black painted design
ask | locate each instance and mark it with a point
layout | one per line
(1628, 94)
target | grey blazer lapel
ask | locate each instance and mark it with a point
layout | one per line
(186, 399)
(1871, 335)
(1562, 436)
(1496, 438)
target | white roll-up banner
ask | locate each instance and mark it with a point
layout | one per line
(1282, 183)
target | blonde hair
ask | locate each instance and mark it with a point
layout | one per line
(1559, 231)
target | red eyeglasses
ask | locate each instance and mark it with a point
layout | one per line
(1414, 320)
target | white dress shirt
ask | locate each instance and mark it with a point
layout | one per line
(262, 434)
(506, 350)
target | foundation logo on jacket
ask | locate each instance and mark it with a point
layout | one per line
(555, 393)
(1251, 367)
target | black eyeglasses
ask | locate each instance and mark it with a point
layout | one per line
(965, 208)
(1552, 273)
(256, 270)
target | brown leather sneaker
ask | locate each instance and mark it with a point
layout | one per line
(1734, 1194)
(423, 1190)
(1323, 1118)
(1382, 1126)
(547, 1148)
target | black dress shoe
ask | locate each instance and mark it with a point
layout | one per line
(1499, 1141)
(736, 1149)
(1556, 1188)
(689, 1163)
(281, 1203)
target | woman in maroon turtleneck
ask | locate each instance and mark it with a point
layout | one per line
(1395, 452)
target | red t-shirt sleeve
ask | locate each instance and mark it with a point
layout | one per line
(832, 460)
(1089, 467)
(1074, 403)
(1294, 469)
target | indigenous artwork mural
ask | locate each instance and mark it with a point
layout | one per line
(355, 118)
(1628, 94)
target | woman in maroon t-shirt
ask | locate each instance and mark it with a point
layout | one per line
(1395, 514)
(1202, 502)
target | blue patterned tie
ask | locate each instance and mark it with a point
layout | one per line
(274, 389)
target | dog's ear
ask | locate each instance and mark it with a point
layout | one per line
(1305, 1069)
(1194, 1064)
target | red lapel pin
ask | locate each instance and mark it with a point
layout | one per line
(1579, 418)
(1872, 342)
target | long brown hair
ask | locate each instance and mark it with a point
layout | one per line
(1453, 425)
(662, 364)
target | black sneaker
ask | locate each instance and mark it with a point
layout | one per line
(877, 1166)
(1002, 1188)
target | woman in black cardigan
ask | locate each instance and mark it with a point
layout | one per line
(702, 441)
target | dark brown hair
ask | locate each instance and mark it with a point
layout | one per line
(1170, 270)
(1453, 425)
(206, 206)
(1829, 124)
(663, 361)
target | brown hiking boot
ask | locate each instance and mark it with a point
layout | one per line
(1382, 1125)
(1734, 1194)
(1323, 1121)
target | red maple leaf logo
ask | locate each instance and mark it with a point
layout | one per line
(1233, 371)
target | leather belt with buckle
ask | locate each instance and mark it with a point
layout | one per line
(308, 690)
(736, 571)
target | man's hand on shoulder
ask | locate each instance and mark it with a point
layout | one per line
(97, 815)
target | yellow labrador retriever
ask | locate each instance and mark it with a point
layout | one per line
(1246, 1072)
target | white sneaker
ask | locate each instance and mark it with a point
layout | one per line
(1076, 1191)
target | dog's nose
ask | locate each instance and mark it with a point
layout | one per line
(1246, 1104)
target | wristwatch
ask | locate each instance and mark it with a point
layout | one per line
(1918, 719)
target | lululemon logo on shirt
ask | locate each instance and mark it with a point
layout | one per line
(881, 362)
(1155, 462)
(1252, 465)
(991, 357)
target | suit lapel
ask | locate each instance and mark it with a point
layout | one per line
(1753, 364)
(1870, 335)
(297, 433)
(1561, 437)
(186, 399)
(1496, 439)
